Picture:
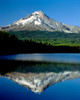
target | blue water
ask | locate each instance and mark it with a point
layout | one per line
(53, 57)
(68, 90)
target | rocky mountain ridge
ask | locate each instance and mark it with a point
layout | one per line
(41, 22)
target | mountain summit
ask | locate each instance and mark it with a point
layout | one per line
(40, 21)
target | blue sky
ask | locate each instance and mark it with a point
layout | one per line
(66, 11)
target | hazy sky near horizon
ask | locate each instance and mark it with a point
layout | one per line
(65, 11)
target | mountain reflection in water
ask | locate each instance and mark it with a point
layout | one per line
(37, 76)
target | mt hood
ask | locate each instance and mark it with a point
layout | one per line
(40, 21)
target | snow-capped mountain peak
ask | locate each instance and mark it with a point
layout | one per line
(38, 13)
(34, 18)
(40, 21)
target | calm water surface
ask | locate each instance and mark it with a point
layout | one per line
(56, 57)
(67, 90)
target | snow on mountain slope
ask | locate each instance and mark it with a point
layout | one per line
(39, 21)
(38, 82)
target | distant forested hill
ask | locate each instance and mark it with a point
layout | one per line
(52, 38)
(38, 42)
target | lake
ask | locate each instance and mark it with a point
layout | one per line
(40, 77)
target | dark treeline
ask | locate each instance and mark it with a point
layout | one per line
(9, 44)
(35, 67)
